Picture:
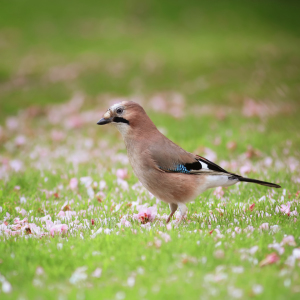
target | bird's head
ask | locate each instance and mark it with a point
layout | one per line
(126, 116)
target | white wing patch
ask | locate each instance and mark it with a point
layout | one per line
(204, 165)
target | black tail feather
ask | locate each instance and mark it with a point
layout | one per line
(259, 182)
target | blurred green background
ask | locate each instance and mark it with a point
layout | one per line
(209, 51)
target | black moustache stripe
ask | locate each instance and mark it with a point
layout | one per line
(120, 120)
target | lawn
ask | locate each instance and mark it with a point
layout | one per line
(219, 78)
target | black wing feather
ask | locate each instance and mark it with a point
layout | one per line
(193, 166)
(212, 166)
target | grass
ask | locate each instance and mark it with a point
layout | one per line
(63, 64)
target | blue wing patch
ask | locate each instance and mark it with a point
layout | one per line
(178, 169)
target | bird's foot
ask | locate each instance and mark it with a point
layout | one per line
(183, 210)
(181, 219)
(173, 208)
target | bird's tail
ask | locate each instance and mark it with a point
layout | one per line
(273, 185)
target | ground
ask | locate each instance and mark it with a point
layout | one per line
(221, 79)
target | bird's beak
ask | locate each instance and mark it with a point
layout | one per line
(106, 119)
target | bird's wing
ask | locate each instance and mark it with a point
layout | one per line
(169, 157)
(199, 166)
(209, 165)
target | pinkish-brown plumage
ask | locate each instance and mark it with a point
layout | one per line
(169, 172)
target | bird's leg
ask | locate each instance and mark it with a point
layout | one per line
(173, 208)
(183, 210)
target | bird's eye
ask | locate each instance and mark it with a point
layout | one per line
(119, 110)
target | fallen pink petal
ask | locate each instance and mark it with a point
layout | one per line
(288, 240)
(73, 183)
(286, 208)
(146, 214)
(251, 207)
(122, 173)
(270, 259)
(59, 229)
(264, 226)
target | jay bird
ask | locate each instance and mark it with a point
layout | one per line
(170, 173)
